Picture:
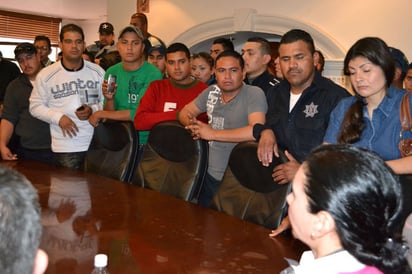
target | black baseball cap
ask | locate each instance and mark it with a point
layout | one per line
(106, 28)
(28, 48)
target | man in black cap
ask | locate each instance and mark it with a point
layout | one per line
(401, 67)
(157, 58)
(33, 134)
(105, 44)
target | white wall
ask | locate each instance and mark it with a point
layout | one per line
(343, 21)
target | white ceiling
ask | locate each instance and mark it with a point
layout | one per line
(68, 9)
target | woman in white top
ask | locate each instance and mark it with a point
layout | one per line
(343, 206)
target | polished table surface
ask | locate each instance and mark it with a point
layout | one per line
(143, 231)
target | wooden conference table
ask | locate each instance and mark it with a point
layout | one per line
(143, 231)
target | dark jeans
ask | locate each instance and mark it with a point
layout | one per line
(73, 160)
(209, 188)
(41, 155)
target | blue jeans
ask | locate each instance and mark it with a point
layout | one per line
(209, 188)
(73, 160)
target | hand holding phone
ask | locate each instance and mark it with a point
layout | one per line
(111, 83)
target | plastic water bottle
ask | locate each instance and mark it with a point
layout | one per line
(100, 264)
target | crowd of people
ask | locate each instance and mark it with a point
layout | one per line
(341, 193)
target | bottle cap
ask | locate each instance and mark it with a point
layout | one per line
(100, 260)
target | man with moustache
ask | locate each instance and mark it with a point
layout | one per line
(233, 108)
(65, 95)
(33, 134)
(299, 108)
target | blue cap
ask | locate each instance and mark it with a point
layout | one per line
(400, 59)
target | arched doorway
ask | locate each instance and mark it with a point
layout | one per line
(246, 23)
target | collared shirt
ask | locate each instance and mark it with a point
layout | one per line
(336, 263)
(303, 128)
(381, 133)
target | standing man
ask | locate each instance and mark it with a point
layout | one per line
(158, 59)
(164, 98)
(8, 71)
(43, 46)
(220, 45)
(105, 44)
(257, 54)
(65, 95)
(133, 76)
(139, 20)
(33, 134)
(233, 108)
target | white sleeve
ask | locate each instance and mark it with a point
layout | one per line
(39, 107)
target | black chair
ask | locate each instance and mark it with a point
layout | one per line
(113, 150)
(172, 162)
(248, 191)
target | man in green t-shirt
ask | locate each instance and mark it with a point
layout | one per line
(133, 76)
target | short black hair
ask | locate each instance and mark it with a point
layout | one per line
(295, 35)
(264, 44)
(234, 54)
(226, 43)
(73, 28)
(175, 47)
(43, 38)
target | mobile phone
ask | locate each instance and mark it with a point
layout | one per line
(111, 83)
(80, 108)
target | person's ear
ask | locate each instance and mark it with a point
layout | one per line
(41, 260)
(323, 224)
(315, 58)
(266, 59)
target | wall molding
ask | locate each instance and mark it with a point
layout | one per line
(249, 20)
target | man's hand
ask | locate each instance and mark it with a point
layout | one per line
(65, 210)
(84, 112)
(95, 118)
(108, 95)
(7, 155)
(68, 127)
(284, 173)
(200, 130)
(267, 147)
(284, 225)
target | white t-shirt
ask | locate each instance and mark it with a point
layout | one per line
(59, 92)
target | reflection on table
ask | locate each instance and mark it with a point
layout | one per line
(143, 231)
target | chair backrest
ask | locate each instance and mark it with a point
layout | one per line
(247, 190)
(113, 150)
(172, 162)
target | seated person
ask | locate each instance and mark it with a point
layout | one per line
(20, 226)
(343, 205)
(164, 98)
(203, 68)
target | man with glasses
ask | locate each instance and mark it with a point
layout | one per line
(43, 46)
(65, 95)
(33, 134)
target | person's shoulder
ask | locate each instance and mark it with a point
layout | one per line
(254, 91)
(329, 85)
(49, 71)
(93, 67)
